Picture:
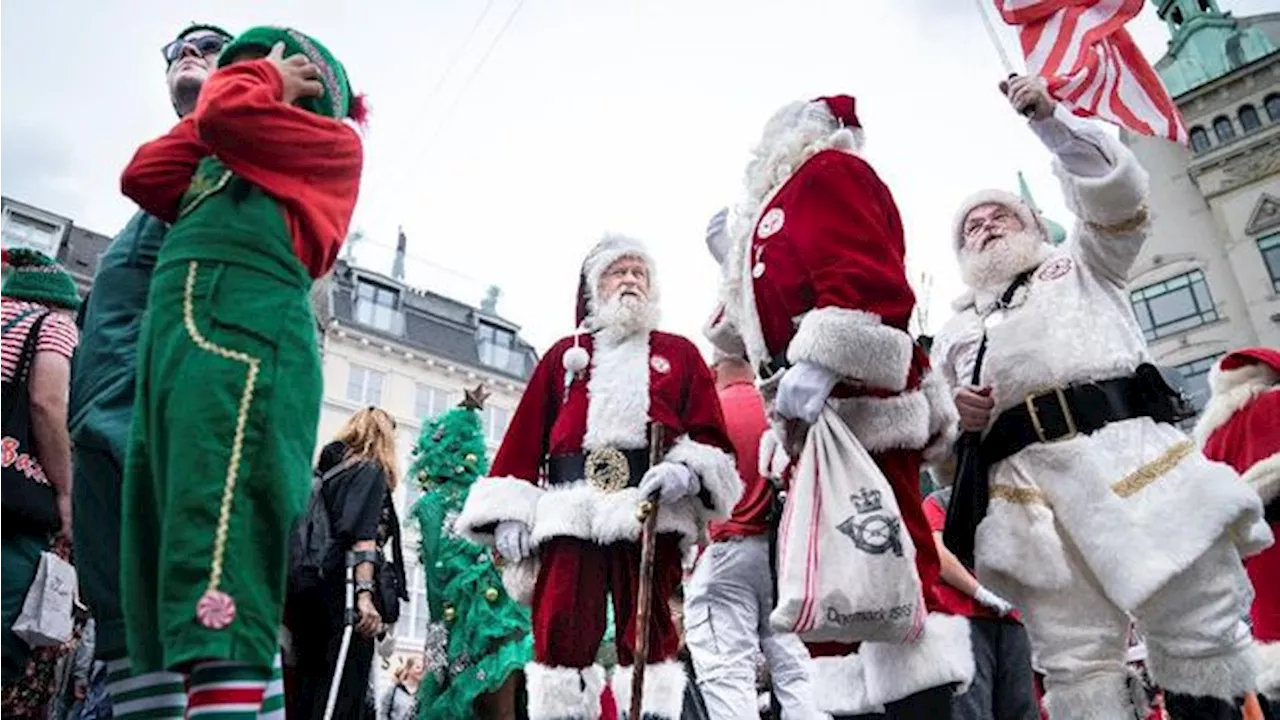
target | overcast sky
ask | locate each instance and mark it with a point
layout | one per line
(587, 116)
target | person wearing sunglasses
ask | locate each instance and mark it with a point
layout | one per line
(101, 404)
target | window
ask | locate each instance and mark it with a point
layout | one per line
(364, 386)
(26, 231)
(1272, 105)
(378, 307)
(497, 349)
(430, 402)
(1249, 119)
(1269, 246)
(496, 420)
(1223, 129)
(1200, 139)
(1196, 375)
(414, 612)
(1173, 306)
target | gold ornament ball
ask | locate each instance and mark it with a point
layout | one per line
(450, 614)
(471, 457)
(491, 594)
(643, 512)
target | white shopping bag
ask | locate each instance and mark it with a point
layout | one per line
(45, 620)
(846, 564)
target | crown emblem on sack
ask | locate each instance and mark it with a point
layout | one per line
(866, 500)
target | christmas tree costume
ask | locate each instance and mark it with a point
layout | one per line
(479, 635)
(260, 194)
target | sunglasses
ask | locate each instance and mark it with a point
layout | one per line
(205, 45)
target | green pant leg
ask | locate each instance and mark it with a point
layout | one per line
(19, 557)
(96, 499)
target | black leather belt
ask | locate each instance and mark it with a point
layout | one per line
(608, 469)
(1063, 413)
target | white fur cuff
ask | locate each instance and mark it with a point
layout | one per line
(492, 500)
(1100, 696)
(1114, 202)
(942, 655)
(716, 471)
(840, 686)
(1226, 677)
(1264, 477)
(664, 684)
(855, 344)
(1269, 677)
(561, 692)
(723, 333)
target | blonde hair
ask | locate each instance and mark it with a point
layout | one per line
(404, 666)
(370, 434)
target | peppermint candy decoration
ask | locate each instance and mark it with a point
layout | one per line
(216, 610)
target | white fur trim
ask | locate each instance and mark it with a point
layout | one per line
(722, 332)
(664, 684)
(839, 686)
(581, 511)
(856, 344)
(887, 423)
(609, 250)
(1264, 477)
(1232, 391)
(556, 693)
(1112, 201)
(993, 197)
(944, 419)
(716, 470)
(521, 578)
(1018, 544)
(1269, 675)
(1226, 677)
(492, 500)
(1099, 696)
(618, 393)
(942, 655)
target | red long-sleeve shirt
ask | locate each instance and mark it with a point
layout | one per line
(309, 163)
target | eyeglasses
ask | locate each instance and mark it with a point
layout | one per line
(973, 227)
(205, 45)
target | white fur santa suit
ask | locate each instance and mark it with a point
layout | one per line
(1130, 519)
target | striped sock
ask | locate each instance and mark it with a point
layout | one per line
(226, 691)
(273, 699)
(151, 696)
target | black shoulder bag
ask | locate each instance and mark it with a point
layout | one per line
(29, 501)
(970, 489)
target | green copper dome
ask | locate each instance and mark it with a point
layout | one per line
(1205, 43)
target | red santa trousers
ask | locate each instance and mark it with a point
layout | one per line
(569, 612)
(1264, 571)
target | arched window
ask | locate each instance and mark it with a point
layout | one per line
(1249, 119)
(1272, 104)
(1199, 139)
(1222, 128)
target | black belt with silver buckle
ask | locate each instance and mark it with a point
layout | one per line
(1063, 413)
(607, 469)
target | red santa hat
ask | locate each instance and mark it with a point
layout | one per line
(606, 252)
(1241, 423)
(1030, 218)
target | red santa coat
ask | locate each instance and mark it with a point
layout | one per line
(1241, 427)
(649, 377)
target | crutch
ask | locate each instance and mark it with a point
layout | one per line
(349, 627)
(648, 515)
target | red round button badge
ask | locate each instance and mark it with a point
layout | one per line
(1054, 269)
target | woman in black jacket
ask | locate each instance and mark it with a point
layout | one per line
(359, 474)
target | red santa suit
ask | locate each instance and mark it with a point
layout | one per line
(585, 534)
(1241, 427)
(817, 274)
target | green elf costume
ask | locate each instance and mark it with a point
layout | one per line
(478, 635)
(260, 195)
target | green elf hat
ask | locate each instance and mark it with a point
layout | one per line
(338, 102)
(35, 277)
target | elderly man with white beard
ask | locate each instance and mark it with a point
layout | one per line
(1087, 474)
(560, 503)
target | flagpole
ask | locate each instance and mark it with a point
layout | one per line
(995, 39)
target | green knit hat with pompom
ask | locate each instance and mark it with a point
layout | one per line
(36, 277)
(337, 102)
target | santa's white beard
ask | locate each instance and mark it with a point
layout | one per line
(1002, 260)
(625, 315)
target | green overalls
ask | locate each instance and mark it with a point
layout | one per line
(224, 427)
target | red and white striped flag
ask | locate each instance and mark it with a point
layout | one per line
(1082, 49)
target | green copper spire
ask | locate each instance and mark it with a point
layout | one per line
(1057, 234)
(1205, 43)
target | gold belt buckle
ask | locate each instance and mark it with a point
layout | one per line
(1061, 397)
(608, 470)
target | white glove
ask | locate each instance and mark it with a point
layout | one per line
(1001, 606)
(671, 481)
(512, 539)
(803, 391)
(718, 240)
(773, 459)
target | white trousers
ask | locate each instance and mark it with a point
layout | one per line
(1197, 639)
(726, 616)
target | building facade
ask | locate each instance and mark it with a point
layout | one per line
(1208, 279)
(54, 235)
(412, 353)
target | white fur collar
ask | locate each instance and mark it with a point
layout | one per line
(1232, 390)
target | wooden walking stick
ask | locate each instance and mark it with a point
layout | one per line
(648, 515)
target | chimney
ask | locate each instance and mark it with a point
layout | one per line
(397, 267)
